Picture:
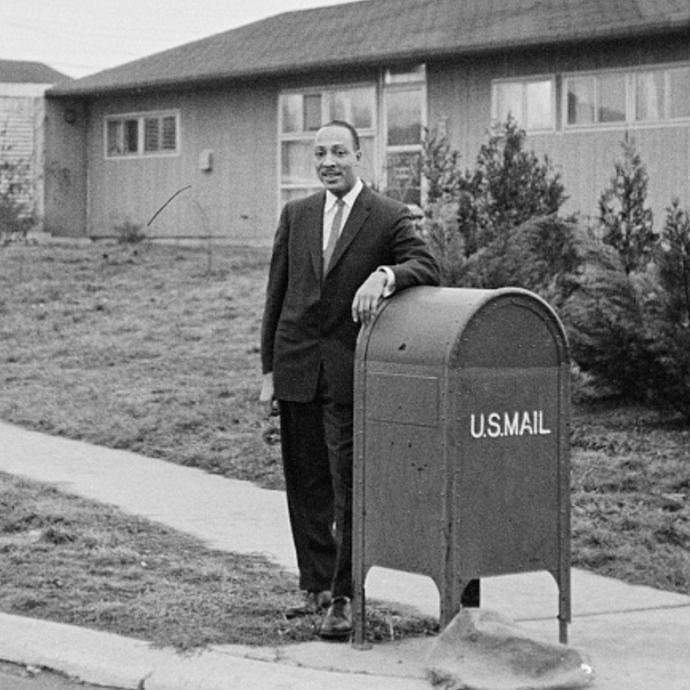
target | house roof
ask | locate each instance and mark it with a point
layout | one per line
(374, 31)
(23, 72)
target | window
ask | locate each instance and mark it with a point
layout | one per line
(662, 94)
(529, 101)
(389, 118)
(644, 96)
(595, 99)
(404, 98)
(147, 134)
(301, 114)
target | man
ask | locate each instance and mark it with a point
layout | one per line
(336, 255)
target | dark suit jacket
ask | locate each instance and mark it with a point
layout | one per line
(307, 319)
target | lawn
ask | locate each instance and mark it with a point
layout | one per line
(156, 349)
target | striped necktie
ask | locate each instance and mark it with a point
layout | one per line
(334, 234)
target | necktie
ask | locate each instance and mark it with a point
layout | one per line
(334, 234)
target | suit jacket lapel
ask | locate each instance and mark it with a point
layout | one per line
(354, 223)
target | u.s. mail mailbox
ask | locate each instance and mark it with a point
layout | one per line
(461, 466)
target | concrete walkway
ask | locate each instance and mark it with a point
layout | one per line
(636, 638)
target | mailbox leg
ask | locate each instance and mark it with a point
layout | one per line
(562, 631)
(359, 617)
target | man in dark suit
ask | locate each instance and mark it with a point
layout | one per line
(336, 255)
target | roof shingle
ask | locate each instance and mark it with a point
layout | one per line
(372, 31)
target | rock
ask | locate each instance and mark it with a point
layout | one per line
(482, 650)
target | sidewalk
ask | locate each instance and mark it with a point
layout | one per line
(636, 638)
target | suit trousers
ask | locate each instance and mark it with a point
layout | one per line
(317, 448)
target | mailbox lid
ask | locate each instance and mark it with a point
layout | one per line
(512, 329)
(419, 326)
(464, 327)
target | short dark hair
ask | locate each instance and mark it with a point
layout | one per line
(347, 126)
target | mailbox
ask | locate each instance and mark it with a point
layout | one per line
(461, 466)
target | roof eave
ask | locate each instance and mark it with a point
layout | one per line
(364, 61)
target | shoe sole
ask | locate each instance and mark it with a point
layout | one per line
(337, 636)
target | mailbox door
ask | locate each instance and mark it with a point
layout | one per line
(403, 472)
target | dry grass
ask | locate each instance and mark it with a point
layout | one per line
(630, 488)
(66, 559)
(141, 348)
(155, 349)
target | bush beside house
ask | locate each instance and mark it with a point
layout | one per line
(621, 289)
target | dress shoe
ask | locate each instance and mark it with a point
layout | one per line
(312, 603)
(337, 624)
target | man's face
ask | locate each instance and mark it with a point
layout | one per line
(335, 159)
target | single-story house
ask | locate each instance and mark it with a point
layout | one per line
(22, 85)
(220, 129)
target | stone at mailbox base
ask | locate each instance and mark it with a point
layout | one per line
(461, 465)
(482, 650)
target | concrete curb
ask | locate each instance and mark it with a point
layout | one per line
(106, 659)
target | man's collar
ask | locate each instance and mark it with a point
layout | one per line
(349, 198)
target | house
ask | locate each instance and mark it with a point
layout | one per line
(22, 85)
(213, 136)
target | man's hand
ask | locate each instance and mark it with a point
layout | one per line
(268, 402)
(368, 297)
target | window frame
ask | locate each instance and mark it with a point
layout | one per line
(523, 81)
(307, 136)
(630, 75)
(140, 117)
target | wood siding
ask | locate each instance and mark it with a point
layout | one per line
(236, 199)
(65, 171)
(459, 97)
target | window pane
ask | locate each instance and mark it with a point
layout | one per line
(611, 92)
(581, 101)
(649, 99)
(366, 164)
(114, 137)
(312, 112)
(352, 105)
(297, 165)
(131, 136)
(403, 176)
(405, 75)
(404, 117)
(169, 142)
(151, 131)
(539, 110)
(291, 112)
(679, 92)
(508, 101)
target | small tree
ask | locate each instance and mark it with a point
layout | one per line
(625, 220)
(470, 216)
(508, 186)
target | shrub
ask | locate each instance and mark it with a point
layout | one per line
(129, 233)
(16, 207)
(471, 216)
(625, 220)
(631, 328)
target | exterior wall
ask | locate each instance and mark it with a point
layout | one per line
(236, 198)
(21, 132)
(459, 96)
(65, 170)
